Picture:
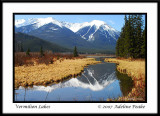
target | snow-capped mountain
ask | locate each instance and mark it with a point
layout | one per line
(96, 32)
(61, 36)
(38, 22)
(27, 26)
(93, 27)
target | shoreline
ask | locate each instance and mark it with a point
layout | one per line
(136, 70)
(53, 73)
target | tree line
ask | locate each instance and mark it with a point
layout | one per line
(19, 48)
(131, 42)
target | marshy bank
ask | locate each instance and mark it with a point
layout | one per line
(98, 82)
(42, 74)
(136, 70)
(53, 77)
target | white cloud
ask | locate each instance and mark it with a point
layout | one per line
(111, 22)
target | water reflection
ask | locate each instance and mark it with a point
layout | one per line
(88, 80)
(97, 83)
(126, 83)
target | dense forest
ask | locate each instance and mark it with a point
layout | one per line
(131, 43)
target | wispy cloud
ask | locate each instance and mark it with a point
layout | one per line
(111, 22)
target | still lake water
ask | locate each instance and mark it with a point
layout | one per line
(97, 83)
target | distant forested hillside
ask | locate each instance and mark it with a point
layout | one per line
(22, 42)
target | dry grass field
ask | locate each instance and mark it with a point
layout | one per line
(42, 74)
(136, 70)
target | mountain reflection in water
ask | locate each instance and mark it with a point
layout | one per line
(97, 82)
(86, 81)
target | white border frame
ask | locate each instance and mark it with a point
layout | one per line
(149, 8)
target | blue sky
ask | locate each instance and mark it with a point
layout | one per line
(115, 21)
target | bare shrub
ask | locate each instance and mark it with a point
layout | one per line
(20, 58)
(46, 59)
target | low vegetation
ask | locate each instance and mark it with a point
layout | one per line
(136, 70)
(33, 58)
(50, 68)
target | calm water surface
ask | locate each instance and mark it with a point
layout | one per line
(98, 83)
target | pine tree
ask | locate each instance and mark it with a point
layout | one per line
(126, 36)
(21, 48)
(138, 36)
(41, 52)
(120, 43)
(131, 42)
(28, 52)
(117, 47)
(143, 47)
(121, 46)
(18, 47)
(131, 36)
(75, 53)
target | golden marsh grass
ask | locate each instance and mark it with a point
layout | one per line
(136, 70)
(43, 74)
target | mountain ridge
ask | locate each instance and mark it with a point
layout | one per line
(87, 36)
(72, 26)
(34, 43)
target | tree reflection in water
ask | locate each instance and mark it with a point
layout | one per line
(126, 82)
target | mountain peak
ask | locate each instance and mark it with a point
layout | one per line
(38, 22)
(97, 22)
(19, 22)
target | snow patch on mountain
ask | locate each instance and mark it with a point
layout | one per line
(19, 22)
(91, 38)
(97, 23)
(37, 22)
(52, 28)
(77, 26)
(72, 26)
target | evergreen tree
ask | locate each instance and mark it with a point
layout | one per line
(131, 42)
(143, 47)
(21, 48)
(28, 52)
(18, 46)
(120, 45)
(75, 53)
(117, 47)
(138, 36)
(131, 37)
(127, 38)
(41, 52)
